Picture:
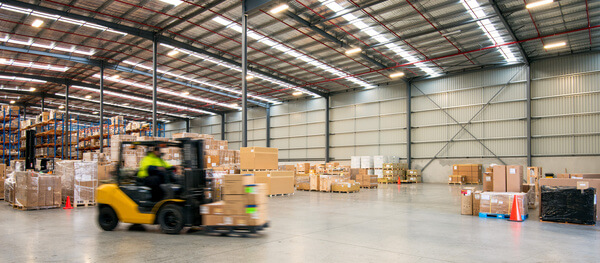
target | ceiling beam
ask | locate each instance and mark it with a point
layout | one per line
(510, 31)
(97, 63)
(61, 81)
(149, 35)
(331, 37)
(189, 16)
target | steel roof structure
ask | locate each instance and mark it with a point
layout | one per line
(48, 44)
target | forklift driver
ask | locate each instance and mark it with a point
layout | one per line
(155, 171)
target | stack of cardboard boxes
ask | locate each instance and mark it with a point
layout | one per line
(79, 181)
(263, 164)
(244, 203)
(392, 172)
(35, 190)
(414, 176)
(466, 173)
(366, 178)
(580, 182)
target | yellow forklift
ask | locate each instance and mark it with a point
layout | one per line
(129, 201)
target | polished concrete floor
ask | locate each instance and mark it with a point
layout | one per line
(410, 223)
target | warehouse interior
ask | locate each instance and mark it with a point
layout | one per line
(316, 130)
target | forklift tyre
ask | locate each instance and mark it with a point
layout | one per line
(170, 218)
(107, 218)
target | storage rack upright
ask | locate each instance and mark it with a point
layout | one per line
(11, 135)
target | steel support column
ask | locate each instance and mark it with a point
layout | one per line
(244, 81)
(154, 84)
(528, 92)
(327, 157)
(268, 120)
(66, 121)
(187, 125)
(408, 124)
(223, 126)
(43, 104)
(101, 107)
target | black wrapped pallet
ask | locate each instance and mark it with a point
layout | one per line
(568, 204)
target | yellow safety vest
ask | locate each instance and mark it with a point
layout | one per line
(151, 160)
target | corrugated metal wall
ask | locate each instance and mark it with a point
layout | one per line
(438, 104)
(566, 105)
(257, 132)
(369, 122)
(298, 129)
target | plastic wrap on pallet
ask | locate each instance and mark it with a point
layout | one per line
(86, 182)
(568, 204)
(34, 190)
(9, 190)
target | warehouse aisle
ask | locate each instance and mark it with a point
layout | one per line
(413, 223)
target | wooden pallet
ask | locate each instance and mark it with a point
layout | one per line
(281, 194)
(457, 183)
(347, 192)
(565, 223)
(24, 208)
(370, 187)
(81, 203)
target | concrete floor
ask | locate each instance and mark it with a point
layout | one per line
(411, 223)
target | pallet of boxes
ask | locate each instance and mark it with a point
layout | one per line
(379, 168)
(303, 176)
(79, 181)
(29, 190)
(502, 184)
(465, 174)
(243, 210)
(363, 171)
(262, 162)
(569, 198)
(393, 172)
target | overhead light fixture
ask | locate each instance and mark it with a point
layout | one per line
(234, 105)
(297, 93)
(116, 76)
(353, 51)
(95, 112)
(397, 74)
(538, 3)
(88, 96)
(31, 89)
(249, 77)
(279, 8)
(185, 93)
(61, 107)
(173, 52)
(172, 2)
(125, 104)
(12, 102)
(37, 23)
(555, 45)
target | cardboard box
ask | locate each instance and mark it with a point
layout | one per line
(499, 179)
(562, 176)
(456, 179)
(258, 158)
(592, 183)
(476, 202)
(217, 208)
(488, 178)
(501, 202)
(256, 194)
(467, 200)
(347, 186)
(314, 181)
(277, 184)
(234, 184)
(584, 176)
(303, 167)
(534, 174)
(514, 178)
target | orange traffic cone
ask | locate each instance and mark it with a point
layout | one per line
(399, 182)
(515, 213)
(68, 205)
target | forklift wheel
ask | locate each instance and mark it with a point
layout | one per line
(107, 218)
(170, 219)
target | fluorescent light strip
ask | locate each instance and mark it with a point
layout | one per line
(288, 51)
(538, 3)
(2, 77)
(149, 101)
(58, 18)
(51, 46)
(120, 105)
(486, 25)
(358, 23)
(12, 62)
(109, 112)
(161, 90)
(172, 2)
(555, 45)
(207, 58)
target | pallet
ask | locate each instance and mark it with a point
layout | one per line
(499, 216)
(565, 223)
(347, 192)
(370, 187)
(23, 208)
(281, 195)
(80, 203)
(234, 230)
(457, 183)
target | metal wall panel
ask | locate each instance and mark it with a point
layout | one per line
(369, 122)
(500, 126)
(565, 108)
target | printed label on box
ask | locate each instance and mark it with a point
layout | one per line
(488, 178)
(228, 220)
(203, 210)
(512, 171)
(485, 197)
